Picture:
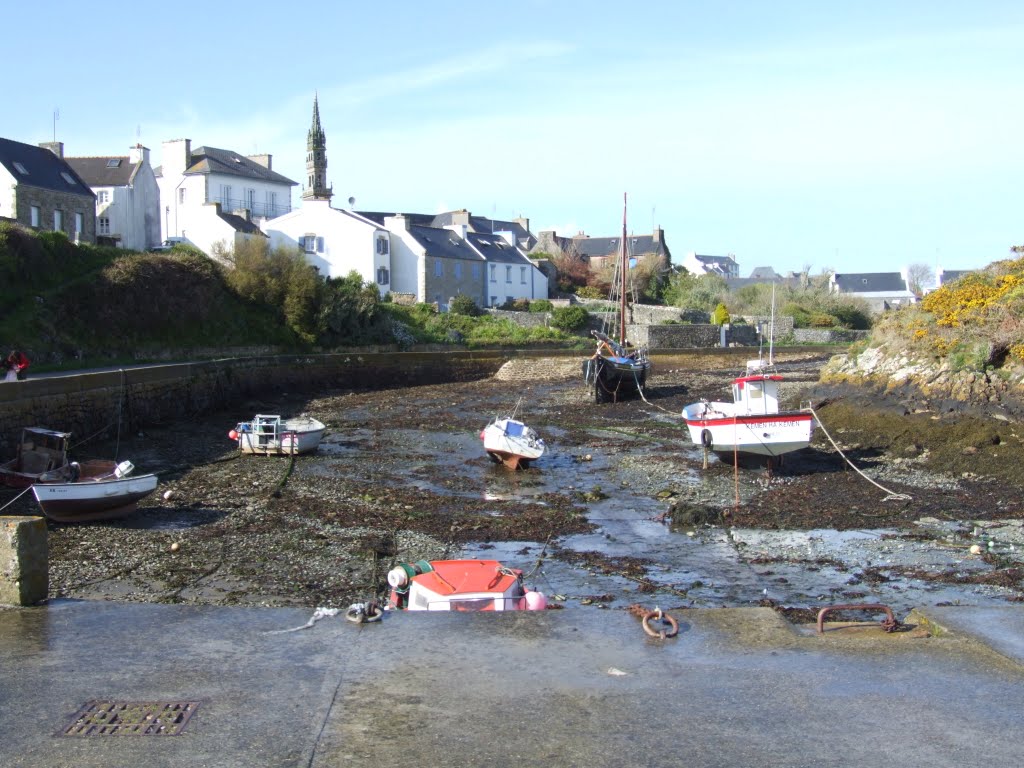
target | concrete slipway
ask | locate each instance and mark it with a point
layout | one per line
(737, 687)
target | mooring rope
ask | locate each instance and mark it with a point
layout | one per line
(891, 494)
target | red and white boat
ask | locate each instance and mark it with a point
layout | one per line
(271, 435)
(752, 424)
(461, 585)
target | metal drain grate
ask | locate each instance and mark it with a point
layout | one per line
(131, 718)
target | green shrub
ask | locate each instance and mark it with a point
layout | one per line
(590, 292)
(541, 305)
(570, 318)
(463, 305)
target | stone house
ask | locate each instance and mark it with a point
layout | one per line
(44, 192)
(127, 198)
(599, 251)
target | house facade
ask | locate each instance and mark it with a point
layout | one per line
(434, 264)
(43, 192)
(699, 264)
(335, 241)
(127, 198)
(210, 195)
(599, 251)
(510, 273)
(881, 290)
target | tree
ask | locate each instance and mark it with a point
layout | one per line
(920, 277)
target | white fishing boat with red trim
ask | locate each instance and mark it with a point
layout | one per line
(461, 585)
(752, 424)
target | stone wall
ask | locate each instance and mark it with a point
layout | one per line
(48, 201)
(827, 336)
(125, 400)
(24, 561)
(523, 319)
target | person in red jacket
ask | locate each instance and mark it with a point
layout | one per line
(15, 364)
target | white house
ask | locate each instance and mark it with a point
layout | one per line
(210, 195)
(881, 290)
(510, 274)
(127, 198)
(335, 241)
(723, 266)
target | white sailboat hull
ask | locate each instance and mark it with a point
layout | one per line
(512, 443)
(714, 426)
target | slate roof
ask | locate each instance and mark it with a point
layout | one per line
(43, 168)
(101, 171)
(949, 275)
(240, 224)
(764, 273)
(442, 243)
(377, 217)
(484, 225)
(206, 160)
(871, 282)
(496, 249)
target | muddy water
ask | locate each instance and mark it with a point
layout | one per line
(623, 465)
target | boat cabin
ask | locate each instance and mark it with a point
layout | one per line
(757, 392)
(41, 450)
(456, 585)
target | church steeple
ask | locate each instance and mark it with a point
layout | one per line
(316, 160)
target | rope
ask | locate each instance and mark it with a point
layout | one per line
(891, 494)
(5, 506)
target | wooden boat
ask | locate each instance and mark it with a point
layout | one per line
(40, 450)
(751, 425)
(92, 490)
(510, 442)
(268, 434)
(617, 370)
(461, 585)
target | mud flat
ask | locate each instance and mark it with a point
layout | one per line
(618, 511)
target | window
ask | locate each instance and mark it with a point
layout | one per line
(34, 213)
(103, 196)
(20, 168)
(79, 224)
(114, 162)
(476, 271)
(508, 274)
(438, 268)
(58, 221)
(494, 273)
(494, 301)
(382, 246)
(308, 243)
(272, 203)
(68, 178)
(458, 270)
(522, 275)
(225, 195)
(103, 225)
(319, 245)
(251, 199)
(181, 195)
(383, 276)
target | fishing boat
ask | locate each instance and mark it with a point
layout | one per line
(752, 424)
(617, 370)
(509, 441)
(92, 490)
(461, 585)
(272, 435)
(40, 450)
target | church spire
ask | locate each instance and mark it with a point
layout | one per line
(316, 160)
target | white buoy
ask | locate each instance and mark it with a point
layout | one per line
(168, 495)
(175, 546)
(975, 549)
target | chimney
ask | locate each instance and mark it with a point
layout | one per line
(461, 217)
(57, 147)
(265, 160)
(398, 221)
(458, 229)
(176, 156)
(138, 154)
(659, 235)
(243, 213)
(523, 222)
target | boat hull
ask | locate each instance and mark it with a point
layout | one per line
(93, 500)
(613, 378)
(297, 436)
(767, 435)
(512, 443)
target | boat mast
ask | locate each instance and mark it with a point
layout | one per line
(623, 268)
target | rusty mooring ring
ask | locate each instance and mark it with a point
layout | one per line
(659, 615)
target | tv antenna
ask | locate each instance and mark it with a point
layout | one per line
(56, 117)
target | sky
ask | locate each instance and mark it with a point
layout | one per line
(856, 137)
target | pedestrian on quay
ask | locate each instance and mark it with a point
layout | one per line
(15, 365)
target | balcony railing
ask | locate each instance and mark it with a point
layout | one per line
(256, 209)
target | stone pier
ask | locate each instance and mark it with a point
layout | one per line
(24, 560)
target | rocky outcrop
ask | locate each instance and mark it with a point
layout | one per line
(933, 382)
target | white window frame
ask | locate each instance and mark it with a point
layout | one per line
(494, 274)
(58, 220)
(508, 274)
(308, 243)
(103, 225)
(79, 224)
(103, 196)
(522, 275)
(33, 213)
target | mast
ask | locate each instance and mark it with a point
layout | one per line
(623, 268)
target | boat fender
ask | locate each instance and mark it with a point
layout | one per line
(705, 438)
(535, 601)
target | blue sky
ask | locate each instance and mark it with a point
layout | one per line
(862, 137)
